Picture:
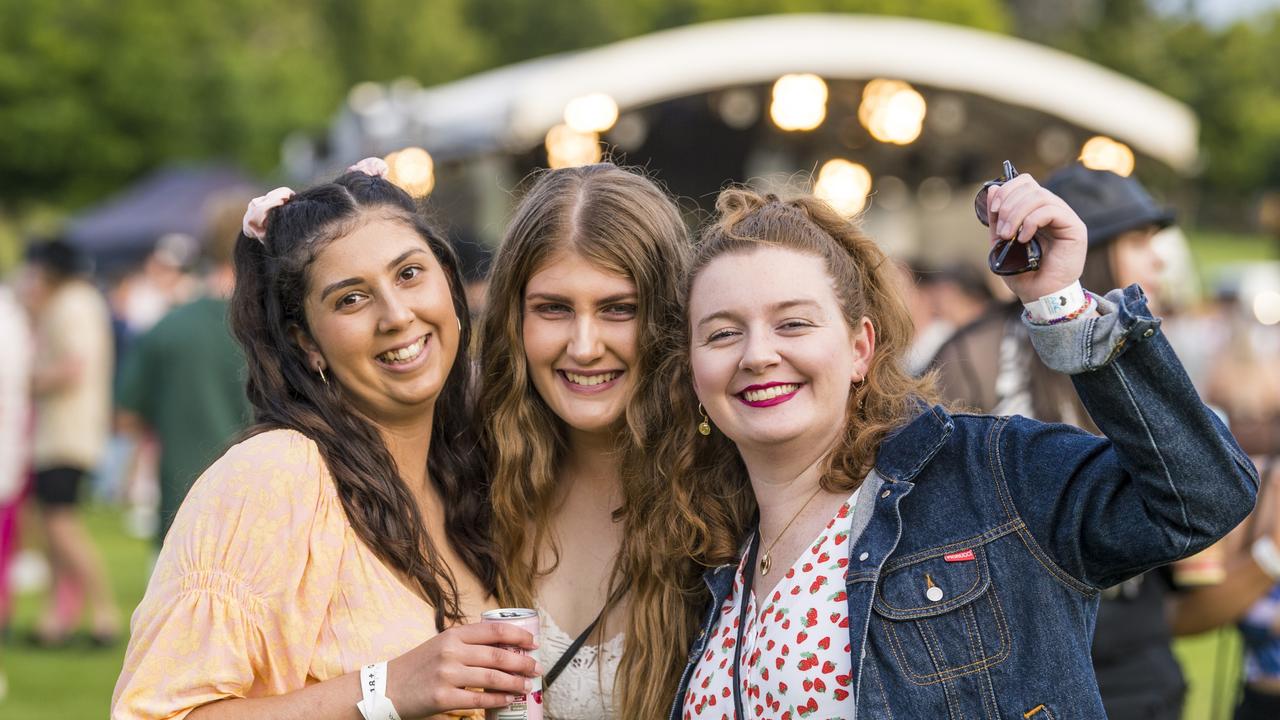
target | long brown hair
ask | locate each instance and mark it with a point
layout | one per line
(622, 222)
(710, 469)
(271, 283)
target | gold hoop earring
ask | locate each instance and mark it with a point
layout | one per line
(320, 369)
(704, 427)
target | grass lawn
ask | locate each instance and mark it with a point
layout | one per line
(77, 683)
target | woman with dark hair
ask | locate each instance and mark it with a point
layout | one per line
(908, 562)
(582, 298)
(350, 526)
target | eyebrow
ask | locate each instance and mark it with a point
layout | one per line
(772, 309)
(333, 287)
(552, 297)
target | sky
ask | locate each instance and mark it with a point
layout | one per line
(1221, 12)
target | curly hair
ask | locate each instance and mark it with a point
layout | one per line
(709, 470)
(621, 222)
(271, 283)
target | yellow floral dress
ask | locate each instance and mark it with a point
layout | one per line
(262, 588)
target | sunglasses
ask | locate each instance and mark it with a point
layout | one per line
(1007, 257)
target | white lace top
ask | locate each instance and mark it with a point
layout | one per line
(584, 689)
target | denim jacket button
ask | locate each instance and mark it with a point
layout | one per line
(934, 593)
(863, 557)
(1149, 333)
(884, 494)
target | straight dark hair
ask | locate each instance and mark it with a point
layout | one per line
(271, 284)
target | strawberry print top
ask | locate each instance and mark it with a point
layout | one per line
(795, 654)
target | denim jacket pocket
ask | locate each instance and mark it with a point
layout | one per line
(940, 615)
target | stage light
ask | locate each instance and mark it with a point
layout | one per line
(1266, 307)
(892, 111)
(594, 113)
(413, 170)
(1103, 153)
(799, 102)
(844, 185)
(567, 147)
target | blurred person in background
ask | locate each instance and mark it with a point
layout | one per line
(183, 380)
(1244, 379)
(1249, 596)
(15, 425)
(71, 384)
(991, 366)
(953, 296)
(161, 283)
(474, 257)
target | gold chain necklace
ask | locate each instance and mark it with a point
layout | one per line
(766, 562)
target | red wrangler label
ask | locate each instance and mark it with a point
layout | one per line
(962, 556)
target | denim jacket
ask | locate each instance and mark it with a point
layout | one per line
(1051, 514)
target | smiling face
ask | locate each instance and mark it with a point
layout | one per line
(381, 319)
(772, 356)
(580, 340)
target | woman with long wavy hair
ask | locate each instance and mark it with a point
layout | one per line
(582, 299)
(348, 528)
(905, 561)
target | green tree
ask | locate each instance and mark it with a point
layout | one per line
(984, 14)
(1226, 75)
(382, 40)
(92, 93)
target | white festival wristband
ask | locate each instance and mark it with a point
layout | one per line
(373, 687)
(1056, 306)
(1267, 556)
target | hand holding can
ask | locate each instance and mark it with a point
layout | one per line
(442, 674)
(529, 705)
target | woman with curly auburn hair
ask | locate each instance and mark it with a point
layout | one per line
(905, 561)
(582, 299)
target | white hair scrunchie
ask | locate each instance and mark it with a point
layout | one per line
(375, 166)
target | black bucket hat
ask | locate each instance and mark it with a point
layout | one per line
(1109, 204)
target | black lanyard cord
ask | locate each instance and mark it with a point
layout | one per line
(748, 579)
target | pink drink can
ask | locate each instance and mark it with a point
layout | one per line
(525, 707)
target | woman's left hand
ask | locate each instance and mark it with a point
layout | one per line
(1021, 206)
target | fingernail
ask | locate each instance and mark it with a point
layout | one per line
(528, 685)
(1003, 229)
(537, 669)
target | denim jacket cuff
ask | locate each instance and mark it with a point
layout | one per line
(1089, 343)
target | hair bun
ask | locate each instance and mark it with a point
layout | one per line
(736, 203)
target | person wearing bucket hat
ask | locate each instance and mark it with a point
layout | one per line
(1122, 219)
(1109, 204)
(991, 365)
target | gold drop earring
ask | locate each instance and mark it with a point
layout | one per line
(704, 427)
